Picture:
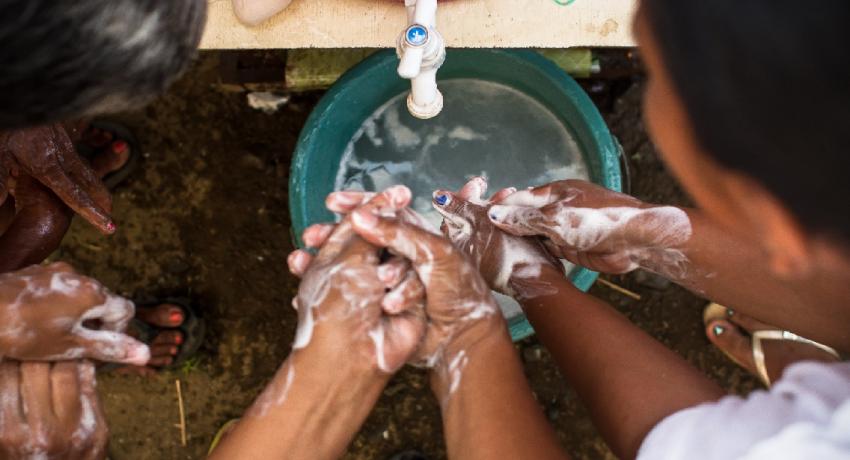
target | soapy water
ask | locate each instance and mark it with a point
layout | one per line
(485, 129)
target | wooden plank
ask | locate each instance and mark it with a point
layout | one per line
(463, 23)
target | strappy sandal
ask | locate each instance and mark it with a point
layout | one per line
(715, 311)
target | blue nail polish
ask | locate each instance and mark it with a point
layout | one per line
(493, 216)
(441, 199)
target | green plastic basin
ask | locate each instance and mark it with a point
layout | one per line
(374, 81)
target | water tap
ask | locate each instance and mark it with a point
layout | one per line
(421, 52)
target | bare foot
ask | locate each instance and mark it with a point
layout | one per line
(165, 346)
(732, 335)
(111, 153)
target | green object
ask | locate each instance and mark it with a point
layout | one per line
(309, 69)
(374, 81)
(577, 62)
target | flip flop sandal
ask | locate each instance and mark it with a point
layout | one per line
(119, 133)
(193, 330)
(714, 311)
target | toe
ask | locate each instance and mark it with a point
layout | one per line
(164, 315)
(174, 338)
(163, 351)
(729, 339)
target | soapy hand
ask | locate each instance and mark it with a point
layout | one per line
(46, 313)
(598, 228)
(510, 264)
(50, 411)
(458, 304)
(405, 291)
(47, 154)
(342, 301)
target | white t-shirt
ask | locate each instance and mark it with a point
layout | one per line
(805, 415)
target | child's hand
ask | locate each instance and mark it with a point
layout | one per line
(597, 228)
(47, 154)
(510, 264)
(61, 416)
(45, 315)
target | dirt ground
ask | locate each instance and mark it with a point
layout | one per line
(206, 215)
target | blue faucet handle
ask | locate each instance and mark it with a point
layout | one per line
(416, 35)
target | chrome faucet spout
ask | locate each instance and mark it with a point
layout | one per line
(421, 52)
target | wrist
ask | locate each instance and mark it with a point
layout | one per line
(344, 368)
(476, 342)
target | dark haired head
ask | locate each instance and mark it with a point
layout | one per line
(766, 85)
(63, 60)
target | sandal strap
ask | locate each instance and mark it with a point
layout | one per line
(758, 352)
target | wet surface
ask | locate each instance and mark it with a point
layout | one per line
(206, 215)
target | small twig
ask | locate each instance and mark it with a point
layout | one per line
(619, 289)
(182, 424)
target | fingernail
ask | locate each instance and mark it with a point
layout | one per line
(718, 330)
(730, 312)
(364, 219)
(176, 317)
(441, 199)
(110, 227)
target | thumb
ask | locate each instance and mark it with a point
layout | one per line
(110, 346)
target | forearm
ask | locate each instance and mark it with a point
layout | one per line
(733, 271)
(307, 412)
(488, 408)
(628, 380)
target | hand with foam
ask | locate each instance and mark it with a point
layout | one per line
(458, 304)
(352, 300)
(52, 313)
(597, 228)
(456, 298)
(61, 415)
(510, 264)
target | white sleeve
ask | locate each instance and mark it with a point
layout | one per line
(808, 395)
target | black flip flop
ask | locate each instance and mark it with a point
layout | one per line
(192, 328)
(119, 132)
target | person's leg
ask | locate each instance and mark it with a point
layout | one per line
(733, 336)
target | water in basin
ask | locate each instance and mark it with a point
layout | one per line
(485, 129)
